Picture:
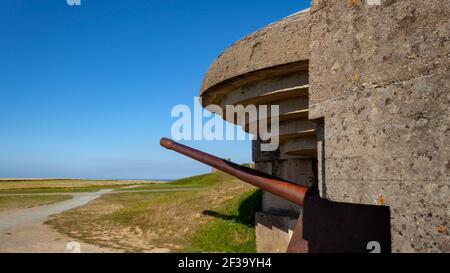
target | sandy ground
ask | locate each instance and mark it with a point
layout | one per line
(24, 231)
(38, 238)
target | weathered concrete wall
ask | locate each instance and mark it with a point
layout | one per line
(274, 233)
(379, 77)
(298, 171)
(269, 67)
(280, 43)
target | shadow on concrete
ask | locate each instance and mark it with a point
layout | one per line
(246, 212)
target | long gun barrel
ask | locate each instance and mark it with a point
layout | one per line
(279, 187)
(323, 225)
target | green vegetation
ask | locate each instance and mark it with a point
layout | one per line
(65, 185)
(198, 181)
(216, 215)
(232, 229)
(249, 165)
(27, 201)
(55, 190)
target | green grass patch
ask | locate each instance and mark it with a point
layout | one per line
(137, 207)
(27, 201)
(232, 228)
(64, 185)
(198, 181)
(55, 190)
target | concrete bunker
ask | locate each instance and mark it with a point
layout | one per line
(364, 112)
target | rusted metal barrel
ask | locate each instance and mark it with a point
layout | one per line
(279, 187)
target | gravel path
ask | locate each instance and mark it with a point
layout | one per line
(23, 230)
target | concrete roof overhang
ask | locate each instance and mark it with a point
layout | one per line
(274, 50)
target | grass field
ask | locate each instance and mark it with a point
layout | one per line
(232, 230)
(27, 201)
(217, 215)
(65, 185)
(189, 182)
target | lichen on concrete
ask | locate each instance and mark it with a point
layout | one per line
(379, 77)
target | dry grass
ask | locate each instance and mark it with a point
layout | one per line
(11, 184)
(143, 221)
(27, 201)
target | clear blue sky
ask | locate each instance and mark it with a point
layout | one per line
(87, 91)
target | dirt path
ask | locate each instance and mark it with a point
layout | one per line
(23, 230)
